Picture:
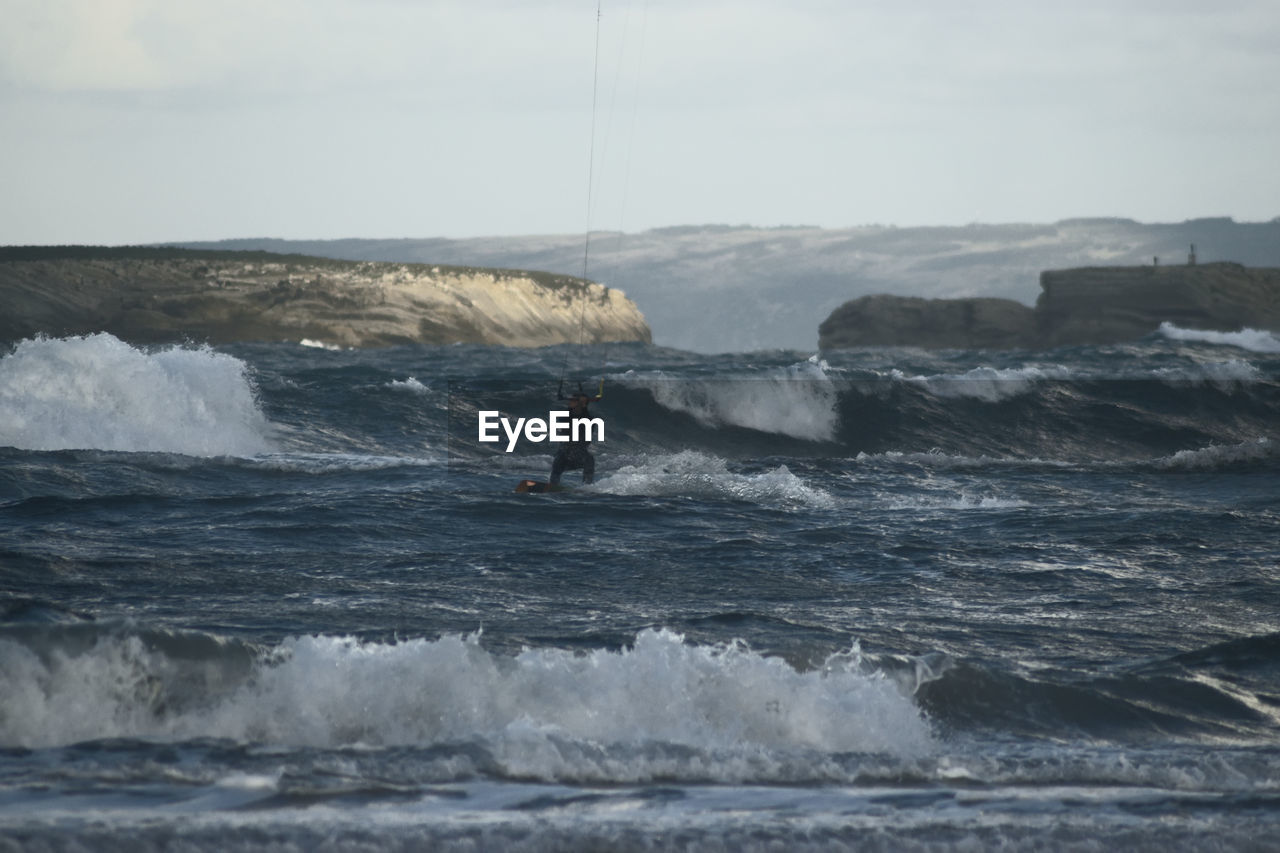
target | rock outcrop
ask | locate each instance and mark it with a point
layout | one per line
(1103, 305)
(149, 295)
(710, 289)
(882, 320)
(1090, 305)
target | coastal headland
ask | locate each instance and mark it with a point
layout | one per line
(162, 295)
(1087, 305)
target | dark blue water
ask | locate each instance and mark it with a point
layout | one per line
(279, 597)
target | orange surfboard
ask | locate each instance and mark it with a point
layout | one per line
(533, 486)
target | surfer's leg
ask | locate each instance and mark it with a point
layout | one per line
(588, 467)
(559, 464)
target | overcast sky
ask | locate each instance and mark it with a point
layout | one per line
(151, 120)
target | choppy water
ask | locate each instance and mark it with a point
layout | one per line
(275, 596)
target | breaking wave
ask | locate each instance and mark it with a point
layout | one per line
(797, 401)
(658, 708)
(1220, 693)
(98, 392)
(1254, 340)
(693, 474)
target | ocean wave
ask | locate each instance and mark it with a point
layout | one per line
(989, 384)
(656, 708)
(1216, 457)
(330, 463)
(1049, 412)
(1207, 695)
(994, 385)
(1243, 654)
(952, 461)
(797, 401)
(1211, 457)
(99, 393)
(962, 501)
(690, 473)
(311, 344)
(1223, 374)
(1220, 769)
(1254, 340)
(411, 385)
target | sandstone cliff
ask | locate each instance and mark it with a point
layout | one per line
(160, 295)
(1090, 305)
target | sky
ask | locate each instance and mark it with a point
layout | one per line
(132, 121)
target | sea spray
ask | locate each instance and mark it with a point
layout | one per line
(700, 475)
(1254, 340)
(98, 392)
(1218, 457)
(797, 401)
(545, 713)
(985, 383)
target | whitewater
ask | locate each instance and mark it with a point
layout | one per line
(280, 596)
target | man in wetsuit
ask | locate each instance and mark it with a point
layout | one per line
(576, 454)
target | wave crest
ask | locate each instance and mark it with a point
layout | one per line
(798, 401)
(97, 392)
(546, 713)
(693, 474)
(1254, 340)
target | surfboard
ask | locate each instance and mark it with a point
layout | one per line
(540, 486)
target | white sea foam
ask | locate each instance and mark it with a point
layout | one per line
(1217, 456)
(1254, 340)
(693, 474)
(250, 781)
(993, 385)
(308, 342)
(989, 384)
(1204, 458)
(1224, 375)
(411, 385)
(97, 392)
(545, 714)
(330, 463)
(799, 400)
(962, 501)
(938, 459)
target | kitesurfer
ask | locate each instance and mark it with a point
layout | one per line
(575, 454)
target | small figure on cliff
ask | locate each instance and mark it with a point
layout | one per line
(573, 455)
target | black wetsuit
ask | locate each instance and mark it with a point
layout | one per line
(573, 455)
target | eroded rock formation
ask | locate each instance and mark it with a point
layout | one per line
(161, 295)
(1089, 305)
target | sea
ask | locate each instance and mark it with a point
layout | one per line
(279, 596)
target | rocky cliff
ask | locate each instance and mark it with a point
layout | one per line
(1090, 305)
(710, 288)
(149, 295)
(1101, 305)
(882, 320)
